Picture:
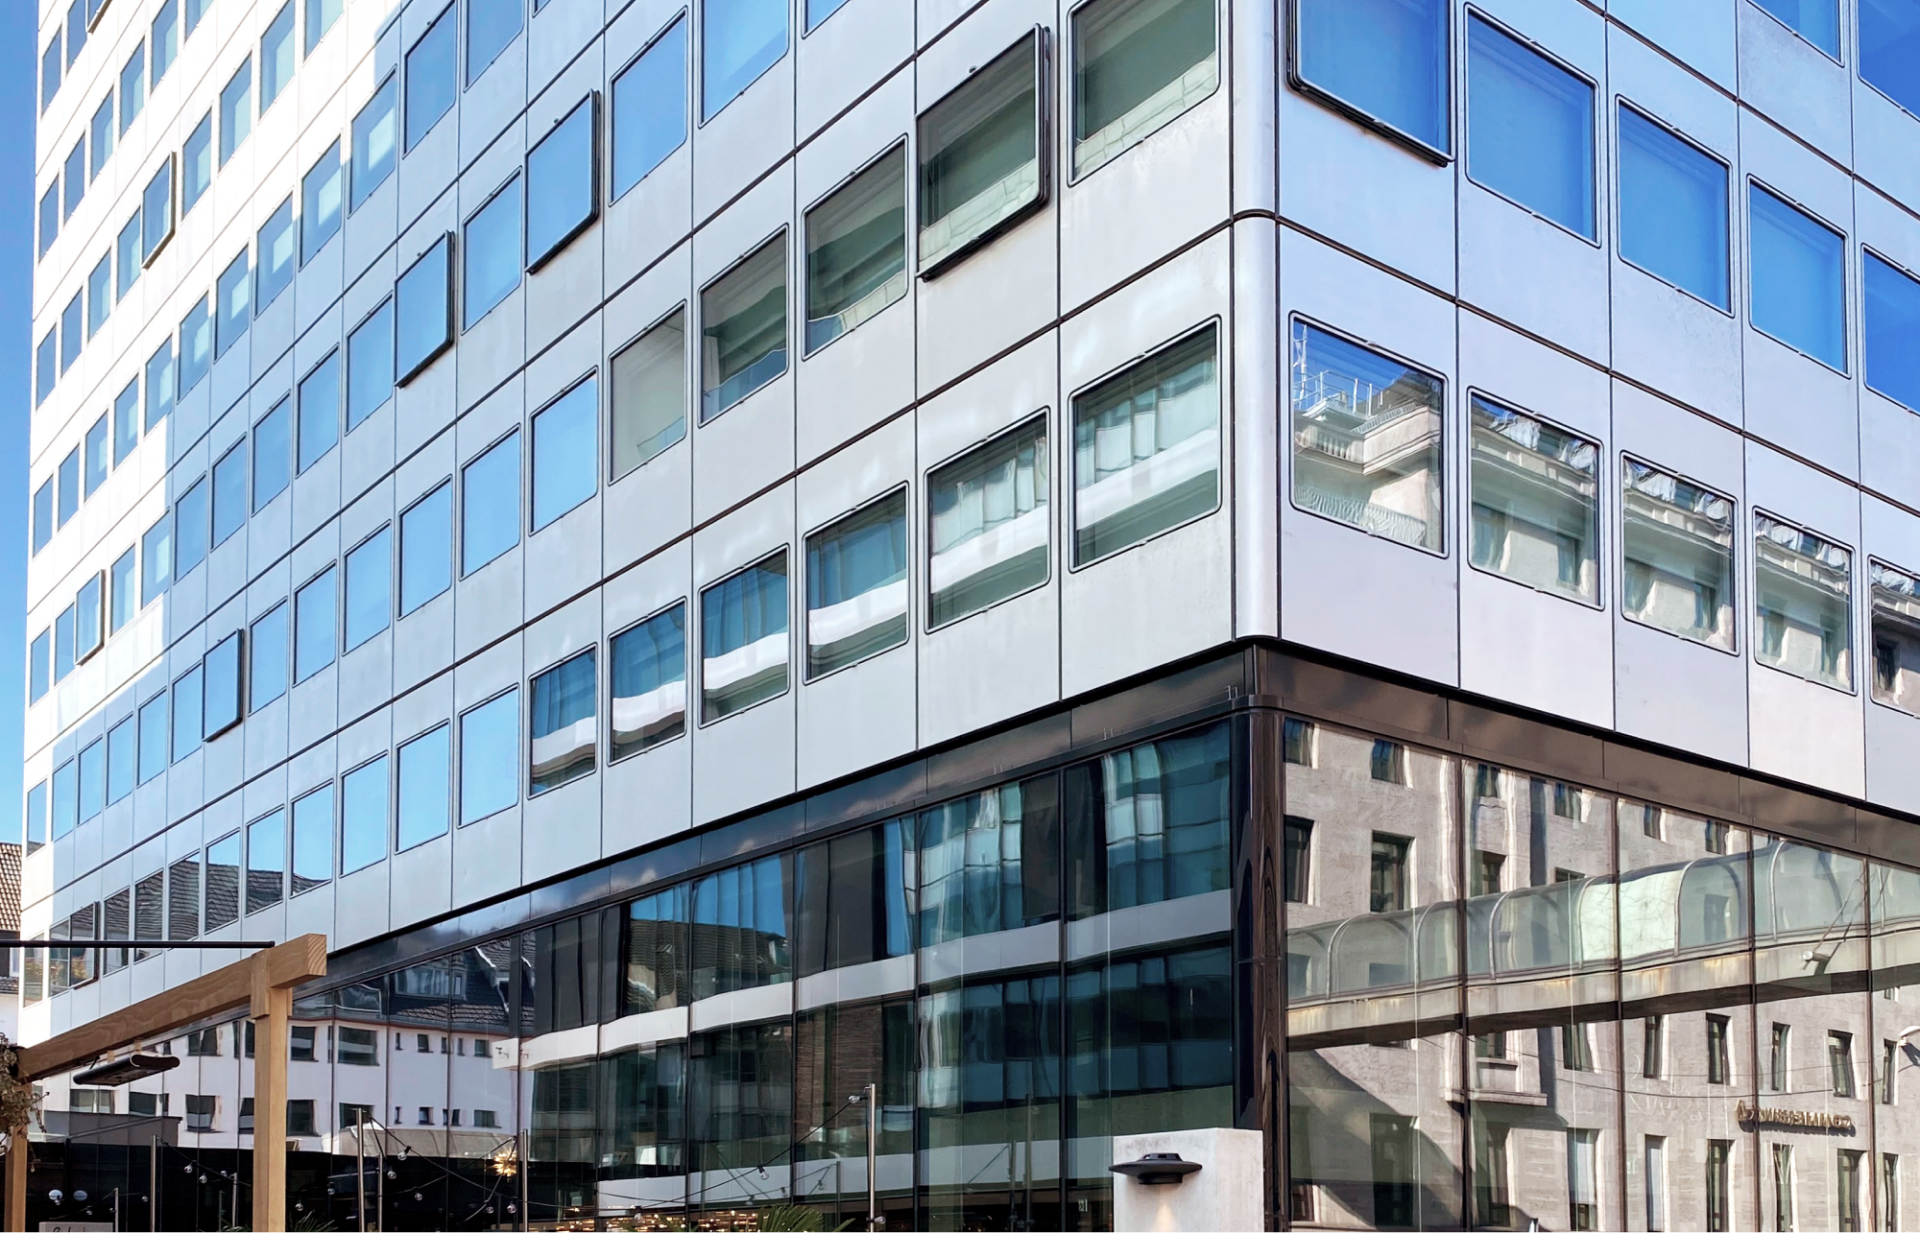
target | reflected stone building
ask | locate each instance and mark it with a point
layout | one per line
(1342, 569)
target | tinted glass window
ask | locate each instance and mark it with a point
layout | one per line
(743, 327)
(313, 839)
(156, 560)
(1677, 543)
(187, 710)
(1892, 325)
(430, 77)
(321, 14)
(490, 505)
(561, 194)
(1817, 21)
(276, 255)
(648, 683)
(373, 141)
(235, 305)
(979, 153)
(491, 25)
(1529, 128)
(122, 600)
(320, 203)
(426, 548)
(425, 791)
(743, 639)
(126, 421)
(190, 528)
(564, 731)
(650, 107)
(156, 210)
(1673, 209)
(230, 493)
(319, 410)
(857, 250)
(565, 440)
(196, 345)
(857, 586)
(276, 56)
(153, 737)
(127, 256)
(272, 454)
(491, 253)
(490, 757)
(1534, 503)
(1799, 279)
(369, 588)
(224, 681)
(166, 39)
(370, 365)
(236, 110)
(1387, 59)
(196, 163)
(363, 816)
(649, 399)
(159, 384)
(313, 627)
(1138, 64)
(267, 657)
(423, 312)
(741, 39)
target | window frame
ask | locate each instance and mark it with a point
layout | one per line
(688, 411)
(903, 490)
(169, 164)
(1840, 20)
(1730, 255)
(533, 264)
(1618, 523)
(1847, 278)
(687, 104)
(1297, 79)
(347, 645)
(1756, 512)
(697, 388)
(460, 570)
(527, 787)
(460, 284)
(531, 463)
(1601, 552)
(404, 71)
(1043, 416)
(686, 680)
(696, 702)
(459, 753)
(1043, 142)
(908, 170)
(446, 243)
(1070, 60)
(400, 548)
(1898, 267)
(1472, 13)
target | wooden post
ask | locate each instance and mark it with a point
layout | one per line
(17, 1182)
(271, 1008)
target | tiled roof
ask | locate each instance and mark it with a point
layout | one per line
(10, 888)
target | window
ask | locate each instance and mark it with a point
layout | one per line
(149, 916)
(49, 218)
(43, 515)
(63, 644)
(1576, 1047)
(300, 1112)
(1677, 539)
(70, 336)
(272, 454)
(373, 141)
(165, 39)
(980, 148)
(1673, 209)
(1388, 762)
(988, 523)
(66, 799)
(1391, 1146)
(370, 365)
(1892, 321)
(100, 136)
(1817, 21)
(319, 199)
(1137, 66)
(1896, 637)
(1653, 1035)
(369, 587)
(489, 752)
(1381, 61)
(93, 782)
(490, 505)
(319, 411)
(69, 486)
(650, 107)
(1782, 1186)
(648, 683)
(44, 369)
(1529, 128)
(126, 256)
(153, 740)
(565, 449)
(265, 867)
(363, 816)
(492, 253)
(1583, 1176)
(1889, 1190)
(95, 455)
(200, 1110)
(426, 548)
(99, 294)
(357, 1047)
(430, 78)
(1799, 279)
(267, 657)
(1146, 448)
(1719, 1066)
(190, 527)
(126, 421)
(564, 732)
(223, 883)
(1388, 892)
(76, 29)
(1778, 1065)
(857, 586)
(196, 345)
(563, 192)
(159, 384)
(1890, 58)
(857, 250)
(649, 394)
(424, 791)
(1484, 870)
(50, 65)
(75, 178)
(423, 300)
(188, 712)
(230, 493)
(746, 907)
(236, 110)
(38, 668)
(1367, 440)
(313, 852)
(276, 256)
(1803, 601)
(234, 305)
(1889, 1071)
(743, 638)
(196, 164)
(89, 617)
(1298, 845)
(276, 56)
(321, 14)
(1840, 1063)
(301, 1044)
(491, 26)
(740, 39)
(313, 618)
(1535, 503)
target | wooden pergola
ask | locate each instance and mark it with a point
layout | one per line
(264, 983)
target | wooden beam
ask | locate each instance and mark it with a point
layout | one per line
(17, 1182)
(270, 1107)
(229, 988)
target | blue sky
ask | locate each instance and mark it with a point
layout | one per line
(17, 71)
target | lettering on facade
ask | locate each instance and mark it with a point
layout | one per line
(1794, 1119)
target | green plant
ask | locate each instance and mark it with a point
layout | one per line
(793, 1218)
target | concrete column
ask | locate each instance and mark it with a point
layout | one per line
(1226, 1194)
(271, 1010)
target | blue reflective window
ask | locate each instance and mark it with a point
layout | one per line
(1185, 781)
(1386, 59)
(89, 613)
(133, 86)
(190, 527)
(95, 456)
(492, 253)
(266, 861)
(188, 703)
(562, 197)
(120, 760)
(743, 639)
(373, 141)
(319, 411)
(156, 211)
(363, 815)
(313, 626)
(267, 658)
(126, 256)
(224, 678)
(71, 336)
(650, 107)
(63, 644)
(1799, 279)
(50, 66)
(370, 365)
(490, 505)
(819, 10)
(313, 839)
(491, 26)
(66, 798)
(426, 548)
(49, 218)
(235, 305)
(272, 454)
(230, 493)
(100, 135)
(166, 40)
(857, 586)
(425, 789)
(36, 826)
(126, 421)
(93, 780)
(564, 730)
(196, 164)
(196, 9)
(321, 14)
(648, 683)
(75, 177)
(276, 56)
(46, 365)
(42, 515)
(1673, 209)
(39, 667)
(320, 203)
(430, 77)
(236, 110)
(369, 603)
(159, 384)
(423, 310)
(1817, 21)
(1890, 49)
(747, 906)
(120, 594)
(490, 757)
(740, 39)
(156, 560)
(69, 474)
(1893, 331)
(196, 345)
(153, 738)
(565, 452)
(276, 256)
(744, 328)
(1529, 128)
